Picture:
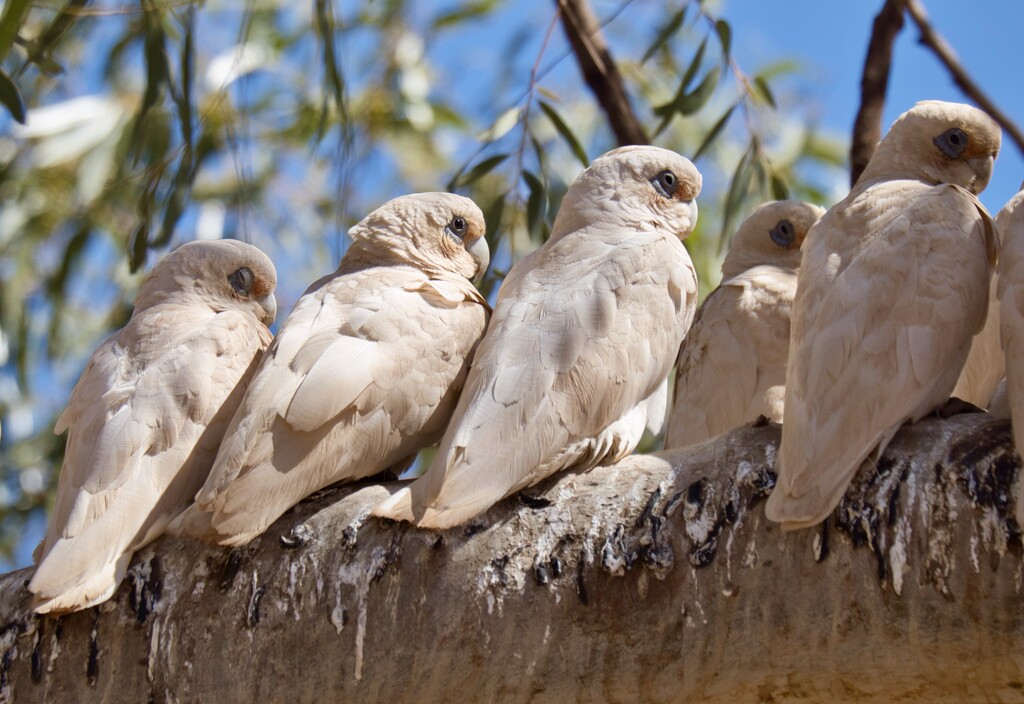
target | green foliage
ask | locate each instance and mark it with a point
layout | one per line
(284, 124)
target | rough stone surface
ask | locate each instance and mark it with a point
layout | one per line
(655, 580)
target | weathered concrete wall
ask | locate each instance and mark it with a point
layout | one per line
(651, 581)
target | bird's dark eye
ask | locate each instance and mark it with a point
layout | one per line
(952, 142)
(666, 183)
(783, 234)
(458, 226)
(242, 280)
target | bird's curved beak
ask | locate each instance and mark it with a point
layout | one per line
(982, 168)
(482, 253)
(693, 219)
(269, 305)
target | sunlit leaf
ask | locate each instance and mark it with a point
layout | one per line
(228, 66)
(825, 150)
(446, 116)
(502, 126)
(11, 97)
(469, 11)
(779, 68)
(563, 129)
(665, 33)
(548, 93)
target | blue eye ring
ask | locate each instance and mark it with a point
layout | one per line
(458, 227)
(242, 280)
(783, 234)
(952, 142)
(666, 182)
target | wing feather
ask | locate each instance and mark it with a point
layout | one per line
(366, 370)
(1011, 318)
(883, 345)
(137, 453)
(580, 338)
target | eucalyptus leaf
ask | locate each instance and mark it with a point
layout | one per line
(738, 185)
(691, 71)
(713, 133)
(482, 169)
(10, 96)
(468, 11)
(502, 126)
(779, 189)
(692, 102)
(11, 20)
(724, 37)
(536, 201)
(563, 129)
(764, 90)
(665, 33)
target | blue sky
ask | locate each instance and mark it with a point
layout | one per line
(831, 39)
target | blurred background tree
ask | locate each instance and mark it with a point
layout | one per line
(154, 123)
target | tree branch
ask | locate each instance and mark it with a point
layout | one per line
(941, 48)
(874, 82)
(600, 71)
(657, 579)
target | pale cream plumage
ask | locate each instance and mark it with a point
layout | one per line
(147, 415)
(364, 372)
(576, 358)
(892, 286)
(1011, 316)
(732, 364)
(985, 365)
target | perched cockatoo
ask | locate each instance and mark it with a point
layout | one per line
(985, 366)
(575, 361)
(732, 365)
(146, 418)
(364, 372)
(893, 285)
(1011, 317)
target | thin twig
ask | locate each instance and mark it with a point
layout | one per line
(935, 41)
(600, 70)
(525, 114)
(874, 82)
(542, 73)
